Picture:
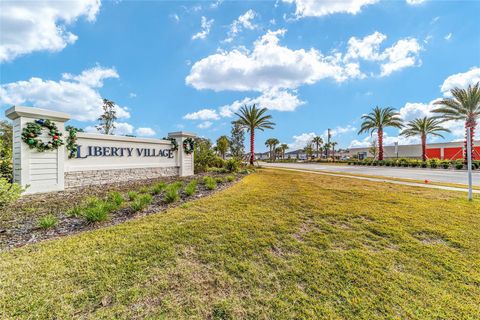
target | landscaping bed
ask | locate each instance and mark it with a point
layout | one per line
(43, 216)
(416, 163)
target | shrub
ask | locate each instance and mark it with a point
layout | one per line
(433, 162)
(414, 163)
(445, 164)
(423, 164)
(158, 188)
(230, 178)
(48, 221)
(115, 197)
(459, 165)
(74, 212)
(219, 180)
(217, 170)
(218, 162)
(9, 192)
(141, 202)
(232, 165)
(132, 195)
(210, 183)
(191, 188)
(476, 164)
(171, 193)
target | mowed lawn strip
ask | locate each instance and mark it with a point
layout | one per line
(278, 244)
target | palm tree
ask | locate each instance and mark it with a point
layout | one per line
(318, 141)
(272, 143)
(308, 151)
(252, 118)
(377, 120)
(423, 127)
(465, 106)
(333, 144)
(284, 147)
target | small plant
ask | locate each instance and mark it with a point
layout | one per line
(9, 192)
(96, 213)
(219, 180)
(115, 197)
(210, 183)
(433, 163)
(48, 221)
(172, 193)
(158, 188)
(144, 190)
(74, 212)
(141, 202)
(423, 164)
(230, 178)
(191, 188)
(132, 195)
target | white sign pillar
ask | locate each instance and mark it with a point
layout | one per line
(184, 160)
(40, 171)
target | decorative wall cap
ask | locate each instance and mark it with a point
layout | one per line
(36, 113)
(182, 134)
(110, 137)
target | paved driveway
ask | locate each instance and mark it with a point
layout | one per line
(434, 175)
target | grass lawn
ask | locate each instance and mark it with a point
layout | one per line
(277, 245)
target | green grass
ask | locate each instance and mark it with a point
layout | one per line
(132, 195)
(48, 221)
(276, 245)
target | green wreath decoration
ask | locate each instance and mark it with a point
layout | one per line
(72, 145)
(188, 145)
(174, 143)
(33, 129)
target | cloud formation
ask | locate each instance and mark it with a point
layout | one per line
(29, 26)
(206, 26)
(316, 8)
(76, 95)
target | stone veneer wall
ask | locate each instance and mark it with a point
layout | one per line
(77, 179)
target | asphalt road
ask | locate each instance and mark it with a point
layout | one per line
(434, 175)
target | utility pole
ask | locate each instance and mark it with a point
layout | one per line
(469, 162)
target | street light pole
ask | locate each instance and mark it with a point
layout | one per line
(469, 162)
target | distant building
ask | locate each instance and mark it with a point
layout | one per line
(444, 151)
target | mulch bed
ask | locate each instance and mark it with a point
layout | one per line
(19, 221)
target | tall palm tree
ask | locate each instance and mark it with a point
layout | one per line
(377, 120)
(423, 127)
(284, 147)
(465, 106)
(308, 151)
(251, 118)
(318, 141)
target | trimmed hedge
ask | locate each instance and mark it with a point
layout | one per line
(415, 163)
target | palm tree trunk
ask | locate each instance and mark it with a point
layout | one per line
(252, 146)
(424, 147)
(471, 123)
(380, 144)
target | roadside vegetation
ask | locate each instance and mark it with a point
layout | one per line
(277, 245)
(433, 163)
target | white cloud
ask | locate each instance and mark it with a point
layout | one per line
(415, 2)
(132, 95)
(461, 80)
(145, 132)
(205, 125)
(338, 131)
(206, 26)
(243, 22)
(76, 95)
(204, 114)
(123, 128)
(301, 141)
(316, 8)
(387, 141)
(273, 99)
(448, 36)
(367, 48)
(29, 26)
(268, 66)
(402, 54)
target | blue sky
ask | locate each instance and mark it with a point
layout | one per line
(173, 66)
